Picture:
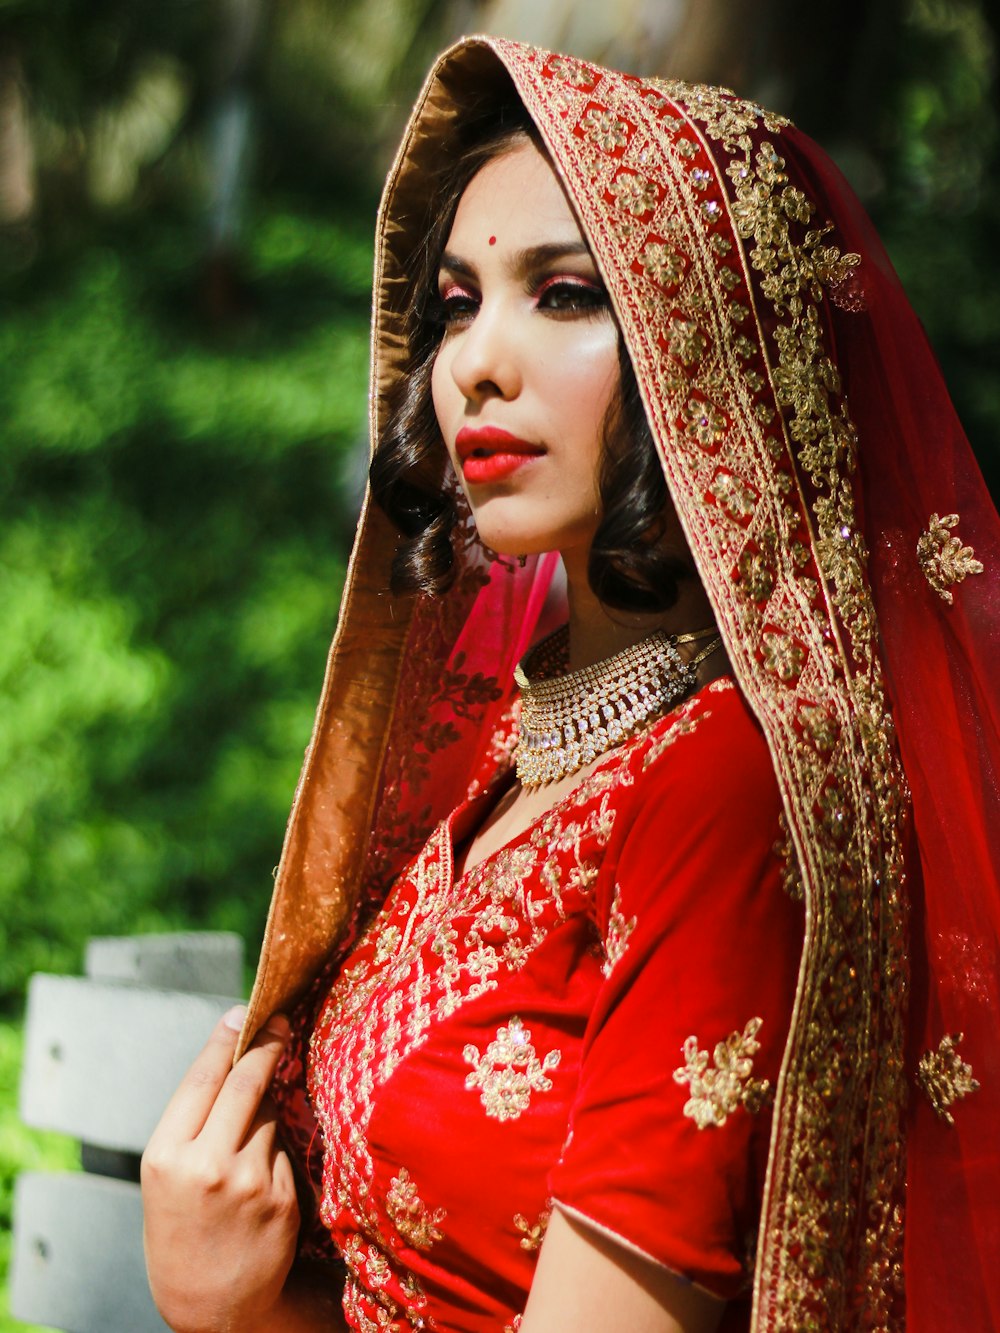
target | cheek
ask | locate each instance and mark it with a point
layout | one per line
(589, 377)
(438, 387)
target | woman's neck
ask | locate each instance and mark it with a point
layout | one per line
(597, 631)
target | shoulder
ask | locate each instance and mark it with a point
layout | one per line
(708, 755)
(699, 823)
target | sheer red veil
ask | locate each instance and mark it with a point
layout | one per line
(852, 554)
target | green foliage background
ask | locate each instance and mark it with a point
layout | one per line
(182, 420)
(180, 416)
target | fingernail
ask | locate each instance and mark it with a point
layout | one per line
(277, 1025)
(233, 1019)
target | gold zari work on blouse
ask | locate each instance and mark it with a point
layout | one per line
(414, 1221)
(718, 1091)
(509, 1071)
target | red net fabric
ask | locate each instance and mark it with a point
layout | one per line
(941, 649)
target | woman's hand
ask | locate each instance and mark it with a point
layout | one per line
(221, 1217)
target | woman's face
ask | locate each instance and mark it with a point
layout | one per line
(528, 364)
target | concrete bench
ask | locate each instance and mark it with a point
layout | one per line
(103, 1053)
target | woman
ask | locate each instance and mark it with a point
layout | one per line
(689, 1024)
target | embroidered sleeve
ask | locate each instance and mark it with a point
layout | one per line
(671, 1123)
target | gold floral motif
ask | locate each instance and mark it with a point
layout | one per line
(532, 1236)
(784, 850)
(411, 1217)
(943, 558)
(619, 931)
(783, 655)
(757, 574)
(663, 264)
(605, 128)
(634, 194)
(513, 1326)
(736, 495)
(387, 944)
(509, 1072)
(686, 341)
(573, 71)
(945, 1077)
(717, 1092)
(704, 423)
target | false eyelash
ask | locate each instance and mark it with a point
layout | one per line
(568, 280)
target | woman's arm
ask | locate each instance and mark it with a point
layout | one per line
(592, 1284)
(220, 1213)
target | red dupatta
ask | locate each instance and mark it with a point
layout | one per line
(853, 558)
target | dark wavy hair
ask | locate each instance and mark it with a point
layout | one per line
(632, 566)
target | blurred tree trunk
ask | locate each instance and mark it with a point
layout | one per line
(17, 186)
(230, 154)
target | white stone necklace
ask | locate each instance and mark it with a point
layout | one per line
(570, 718)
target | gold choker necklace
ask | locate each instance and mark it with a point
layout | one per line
(570, 718)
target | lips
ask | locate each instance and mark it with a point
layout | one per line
(489, 453)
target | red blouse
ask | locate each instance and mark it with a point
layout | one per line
(592, 1018)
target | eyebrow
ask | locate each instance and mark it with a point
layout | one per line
(522, 261)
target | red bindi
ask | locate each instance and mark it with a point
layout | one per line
(493, 240)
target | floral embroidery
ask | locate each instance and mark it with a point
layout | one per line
(704, 423)
(532, 1236)
(574, 71)
(606, 130)
(635, 195)
(619, 931)
(783, 655)
(414, 1221)
(943, 558)
(945, 1077)
(716, 1093)
(736, 495)
(686, 341)
(509, 1072)
(663, 264)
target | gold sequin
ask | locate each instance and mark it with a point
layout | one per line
(943, 558)
(945, 1077)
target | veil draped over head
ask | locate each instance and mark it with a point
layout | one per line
(845, 538)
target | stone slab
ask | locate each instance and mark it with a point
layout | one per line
(77, 1260)
(209, 961)
(101, 1060)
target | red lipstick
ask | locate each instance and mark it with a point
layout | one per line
(489, 453)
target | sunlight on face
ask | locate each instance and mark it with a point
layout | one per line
(528, 364)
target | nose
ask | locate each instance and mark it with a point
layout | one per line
(486, 361)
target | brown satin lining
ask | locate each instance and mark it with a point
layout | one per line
(327, 836)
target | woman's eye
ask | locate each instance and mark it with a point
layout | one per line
(571, 296)
(456, 305)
